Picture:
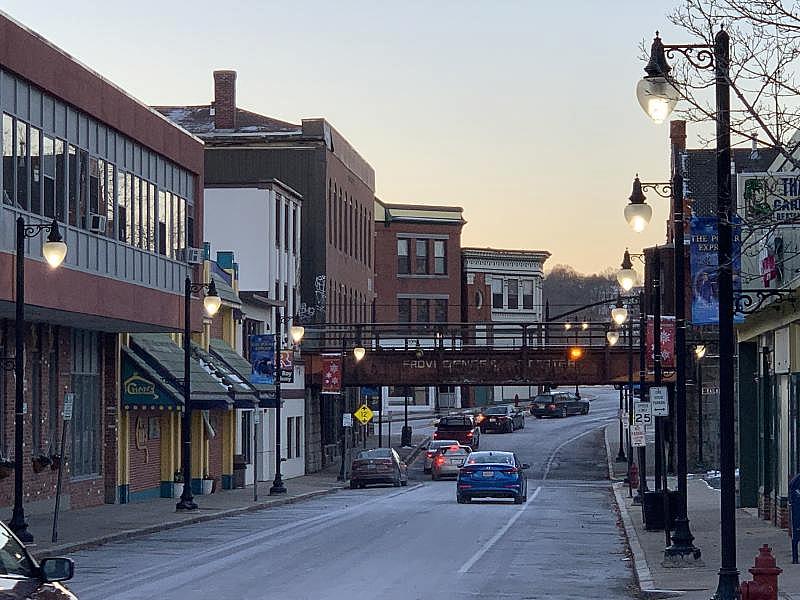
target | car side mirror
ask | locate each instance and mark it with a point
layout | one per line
(525, 466)
(57, 569)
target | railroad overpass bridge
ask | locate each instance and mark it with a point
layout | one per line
(472, 354)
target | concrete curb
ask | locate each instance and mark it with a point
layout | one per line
(200, 518)
(643, 576)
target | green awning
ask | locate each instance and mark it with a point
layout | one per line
(240, 365)
(241, 390)
(165, 357)
(143, 388)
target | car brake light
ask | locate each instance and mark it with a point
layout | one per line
(430, 453)
(510, 470)
(469, 434)
(440, 459)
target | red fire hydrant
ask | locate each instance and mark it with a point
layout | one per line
(633, 475)
(765, 577)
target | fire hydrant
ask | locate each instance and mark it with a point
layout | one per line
(633, 475)
(765, 577)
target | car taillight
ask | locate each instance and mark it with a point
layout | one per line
(440, 459)
(469, 434)
(430, 453)
(510, 470)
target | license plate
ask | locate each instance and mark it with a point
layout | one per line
(488, 473)
(492, 420)
(455, 461)
(540, 406)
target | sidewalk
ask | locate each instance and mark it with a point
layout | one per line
(647, 547)
(82, 528)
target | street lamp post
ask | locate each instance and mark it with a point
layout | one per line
(658, 95)
(699, 353)
(54, 251)
(358, 353)
(211, 303)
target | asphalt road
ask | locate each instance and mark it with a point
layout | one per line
(400, 544)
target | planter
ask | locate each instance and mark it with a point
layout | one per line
(208, 486)
(177, 489)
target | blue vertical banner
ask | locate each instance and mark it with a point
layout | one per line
(262, 358)
(704, 259)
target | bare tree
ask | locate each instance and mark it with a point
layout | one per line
(765, 57)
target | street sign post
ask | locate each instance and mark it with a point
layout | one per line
(659, 402)
(347, 420)
(641, 414)
(69, 402)
(638, 439)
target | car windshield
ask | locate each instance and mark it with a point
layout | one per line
(455, 422)
(376, 453)
(441, 443)
(543, 398)
(486, 458)
(496, 410)
(13, 558)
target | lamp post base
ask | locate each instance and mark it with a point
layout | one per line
(186, 504)
(682, 552)
(20, 529)
(277, 486)
(728, 585)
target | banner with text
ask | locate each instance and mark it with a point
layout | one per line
(705, 271)
(262, 358)
(331, 373)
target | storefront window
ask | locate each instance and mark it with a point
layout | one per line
(86, 409)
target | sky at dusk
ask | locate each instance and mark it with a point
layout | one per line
(521, 112)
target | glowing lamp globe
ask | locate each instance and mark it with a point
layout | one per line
(612, 337)
(657, 96)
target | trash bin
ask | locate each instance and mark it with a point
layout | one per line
(239, 468)
(653, 510)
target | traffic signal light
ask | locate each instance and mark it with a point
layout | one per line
(575, 353)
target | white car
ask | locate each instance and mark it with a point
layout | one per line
(433, 448)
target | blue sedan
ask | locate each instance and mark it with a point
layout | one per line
(492, 474)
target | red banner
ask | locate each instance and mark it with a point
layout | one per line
(331, 373)
(667, 342)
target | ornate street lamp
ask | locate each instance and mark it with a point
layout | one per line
(638, 213)
(211, 303)
(612, 336)
(626, 275)
(658, 95)
(359, 352)
(54, 251)
(700, 351)
(619, 314)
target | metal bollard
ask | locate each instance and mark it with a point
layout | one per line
(765, 577)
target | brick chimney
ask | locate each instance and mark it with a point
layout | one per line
(225, 99)
(677, 134)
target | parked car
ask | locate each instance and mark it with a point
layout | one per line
(433, 448)
(22, 577)
(380, 465)
(504, 418)
(558, 404)
(461, 428)
(492, 474)
(448, 461)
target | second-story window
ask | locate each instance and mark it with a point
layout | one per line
(497, 293)
(439, 257)
(404, 310)
(403, 259)
(513, 294)
(440, 310)
(277, 221)
(527, 294)
(421, 258)
(423, 311)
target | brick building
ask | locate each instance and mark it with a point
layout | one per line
(418, 280)
(125, 187)
(246, 149)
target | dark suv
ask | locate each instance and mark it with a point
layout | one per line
(558, 404)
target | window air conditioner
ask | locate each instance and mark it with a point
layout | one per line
(193, 256)
(97, 223)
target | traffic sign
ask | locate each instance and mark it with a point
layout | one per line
(347, 420)
(637, 436)
(641, 414)
(363, 413)
(659, 402)
(69, 400)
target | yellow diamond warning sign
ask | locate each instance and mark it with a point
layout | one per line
(363, 413)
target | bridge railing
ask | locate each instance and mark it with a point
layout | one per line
(388, 337)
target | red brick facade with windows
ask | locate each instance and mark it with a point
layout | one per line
(411, 225)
